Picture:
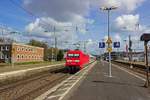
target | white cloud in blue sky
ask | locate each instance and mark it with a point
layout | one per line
(125, 5)
(82, 13)
(127, 22)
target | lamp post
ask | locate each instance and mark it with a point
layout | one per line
(109, 41)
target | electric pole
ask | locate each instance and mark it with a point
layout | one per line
(84, 46)
(130, 51)
(55, 43)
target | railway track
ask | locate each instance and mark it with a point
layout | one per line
(139, 69)
(32, 87)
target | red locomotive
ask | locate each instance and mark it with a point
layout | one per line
(75, 60)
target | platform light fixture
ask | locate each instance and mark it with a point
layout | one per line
(108, 9)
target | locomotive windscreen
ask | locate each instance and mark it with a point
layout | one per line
(73, 55)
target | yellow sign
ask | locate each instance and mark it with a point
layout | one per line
(109, 49)
(109, 41)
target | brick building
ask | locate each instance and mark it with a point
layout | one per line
(20, 53)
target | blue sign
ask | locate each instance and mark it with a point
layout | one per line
(102, 45)
(116, 44)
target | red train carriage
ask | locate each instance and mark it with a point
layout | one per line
(75, 60)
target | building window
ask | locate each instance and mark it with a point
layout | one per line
(2, 48)
(6, 56)
(18, 49)
(22, 56)
(22, 49)
(18, 56)
(7, 48)
(2, 56)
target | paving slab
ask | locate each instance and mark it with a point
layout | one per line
(121, 86)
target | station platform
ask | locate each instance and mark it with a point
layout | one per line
(123, 85)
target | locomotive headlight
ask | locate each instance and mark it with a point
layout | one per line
(77, 61)
(69, 60)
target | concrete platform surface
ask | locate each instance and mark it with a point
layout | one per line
(123, 85)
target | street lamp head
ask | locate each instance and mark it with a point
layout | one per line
(102, 8)
(45, 31)
(125, 40)
(113, 8)
(109, 8)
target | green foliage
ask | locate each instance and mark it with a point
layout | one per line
(49, 53)
(60, 55)
(37, 43)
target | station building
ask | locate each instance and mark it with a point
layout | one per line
(15, 52)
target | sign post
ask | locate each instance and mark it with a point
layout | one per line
(109, 49)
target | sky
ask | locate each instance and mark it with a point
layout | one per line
(75, 21)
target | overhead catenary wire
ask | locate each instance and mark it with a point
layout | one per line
(25, 10)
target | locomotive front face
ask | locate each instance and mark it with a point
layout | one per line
(72, 59)
(75, 60)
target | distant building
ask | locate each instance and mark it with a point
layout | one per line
(136, 56)
(14, 52)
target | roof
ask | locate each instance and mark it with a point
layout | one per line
(27, 45)
(21, 45)
(74, 51)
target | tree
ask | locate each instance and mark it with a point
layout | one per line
(52, 53)
(60, 55)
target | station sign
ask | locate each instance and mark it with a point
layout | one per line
(116, 44)
(101, 44)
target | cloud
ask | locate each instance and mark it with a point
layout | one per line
(65, 10)
(117, 37)
(60, 13)
(105, 38)
(129, 24)
(60, 10)
(44, 27)
(126, 5)
(91, 44)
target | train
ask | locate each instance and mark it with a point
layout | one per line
(75, 60)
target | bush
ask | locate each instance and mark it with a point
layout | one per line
(60, 55)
